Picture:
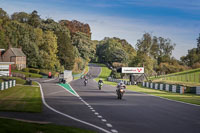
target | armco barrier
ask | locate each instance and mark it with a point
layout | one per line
(174, 88)
(14, 82)
(151, 85)
(171, 88)
(10, 83)
(167, 87)
(143, 84)
(161, 87)
(147, 84)
(156, 86)
(198, 90)
(2, 86)
(181, 89)
(7, 84)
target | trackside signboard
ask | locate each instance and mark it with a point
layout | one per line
(133, 70)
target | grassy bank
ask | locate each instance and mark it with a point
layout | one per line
(188, 98)
(190, 76)
(21, 98)
(14, 126)
(33, 75)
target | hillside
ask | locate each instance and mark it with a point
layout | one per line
(189, 77)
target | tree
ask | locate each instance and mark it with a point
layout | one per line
(21, 17)
(3, 14)
(65, 48)
(85, 46)
(198, 44)
(193, 57)
(34, 19)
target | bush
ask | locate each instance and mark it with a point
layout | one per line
(115, 75)
(46, 72)
(25, 69)
(33, 70)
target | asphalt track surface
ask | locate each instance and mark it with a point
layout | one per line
(135, 113)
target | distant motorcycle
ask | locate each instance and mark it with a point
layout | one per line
(100, 85)
(120, 92)
(85, 82)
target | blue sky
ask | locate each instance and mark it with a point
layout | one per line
(178, 20)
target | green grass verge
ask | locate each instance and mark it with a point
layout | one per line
(189, 76)
(21, 98)
(14, 126)
(33, 75)
(188, 98)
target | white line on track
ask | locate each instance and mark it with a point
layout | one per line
(114, 131)
(99, 116)
(68, 116)
(108, 125)
(104, 120)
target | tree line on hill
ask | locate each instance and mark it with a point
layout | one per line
(67, 45)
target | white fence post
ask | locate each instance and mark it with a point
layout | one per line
(167, 87)
(156, 86)
(161, 86)
(174, 88)
(198, 90)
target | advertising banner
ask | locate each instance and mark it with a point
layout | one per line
(138, 70)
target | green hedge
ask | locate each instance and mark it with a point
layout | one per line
(33, 70)
(25, 69)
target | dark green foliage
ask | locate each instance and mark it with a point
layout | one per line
(192, 59)
(33, 70)
(34, 19)
(3, 14)
(21, 17)
(65, 48)
(153, 51)
(25, 69)
(114, 50)
(115, 74)
(85, 46)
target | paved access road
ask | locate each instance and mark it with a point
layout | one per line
(103, 112)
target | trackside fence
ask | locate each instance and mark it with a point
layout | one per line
(172, 88)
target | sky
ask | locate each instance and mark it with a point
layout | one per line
(178, 20)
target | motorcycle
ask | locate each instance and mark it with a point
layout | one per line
(100, 85)
(120, 92)
(85, 82)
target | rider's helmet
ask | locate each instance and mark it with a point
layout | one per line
(121, 83)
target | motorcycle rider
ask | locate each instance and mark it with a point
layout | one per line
(121, 84)
(100, 81)
(86, 80)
